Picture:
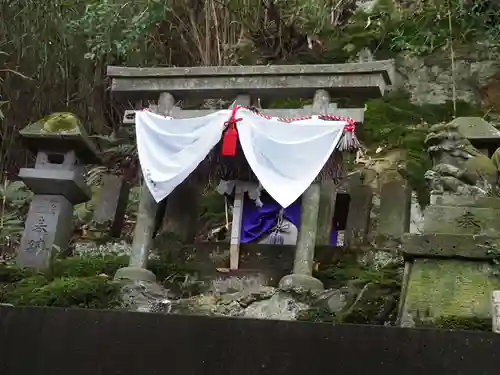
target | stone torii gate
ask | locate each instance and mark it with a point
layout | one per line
(245, 84)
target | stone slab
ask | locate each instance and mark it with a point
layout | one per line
(354, 80)
(105, 342)
(69, 184)
(395, 206)
(449, 288)
(49, 223)
(477, 129)
(451, 246)
(464, 201)
(462, 220)
(358, 218)
(112, 203)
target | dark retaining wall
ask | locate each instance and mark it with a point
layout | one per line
(46, 341)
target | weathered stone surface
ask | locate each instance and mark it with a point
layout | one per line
(48, 230)
(464, 201)
(451, 246)
(395, 205)
(477, 129)
(61, 132)
(301, 282)
(357, 114)
(304, 253)
(357, 80)
(145, 296)
(439, 289)
(430, 79)
(461, 220)
(358, 219)
(67, 183)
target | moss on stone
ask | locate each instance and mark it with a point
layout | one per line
(376, 292)
(61, 122)
(460, 323)
(87, 292)
(88, 266)
(78, 281)
(442, 288)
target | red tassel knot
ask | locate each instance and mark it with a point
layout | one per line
(230, 138)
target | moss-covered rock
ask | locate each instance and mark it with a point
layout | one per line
(364, 292)
(78, 281)
(88, 266)
(461, 323)
(88, 292)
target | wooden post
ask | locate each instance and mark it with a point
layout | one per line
(234, 247)
(145, 223)
(495, 311)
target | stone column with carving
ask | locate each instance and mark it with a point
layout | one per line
(62, 147)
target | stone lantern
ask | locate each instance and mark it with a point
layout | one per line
(62, 149)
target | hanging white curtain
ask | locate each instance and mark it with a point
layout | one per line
(285, 156)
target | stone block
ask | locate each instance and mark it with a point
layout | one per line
(395, 206)
(358, 218)
(464, 201)
(49, 224)
(462, 220)
(68, 183)
(438, 289)
(451, 246)
(111, 204)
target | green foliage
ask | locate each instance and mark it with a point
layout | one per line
(376, 292)
(86, 292)
(394, 122)
(87, 266)
(84, 281)
(460, 323)
(14, 201)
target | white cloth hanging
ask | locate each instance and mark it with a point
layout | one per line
(286, 156)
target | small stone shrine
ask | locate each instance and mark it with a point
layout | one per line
(62, 147)
(248, 86)
(449, 273)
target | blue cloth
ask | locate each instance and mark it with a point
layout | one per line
(257, 221)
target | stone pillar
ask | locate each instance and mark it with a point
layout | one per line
(358, 218)
(57, 180)
(395, 206)
(145, 223)
(302, 278)
(495, 311)
(451, 275)
(111, 205)
(321, 105)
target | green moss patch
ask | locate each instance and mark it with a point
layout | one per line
(74, 282)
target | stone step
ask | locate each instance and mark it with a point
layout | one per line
(462, 220)
(451, 246)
